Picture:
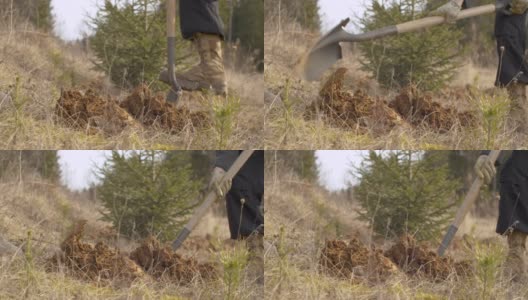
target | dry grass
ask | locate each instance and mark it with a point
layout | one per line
(287, 127)
(301, 216)
(35, 67)
(48, 212)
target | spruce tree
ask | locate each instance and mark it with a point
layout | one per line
(406, 192)
(426, 59)
(147, 192)
(130, 41)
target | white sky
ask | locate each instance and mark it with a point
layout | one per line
(70, 17)
(335, 165)
(333, 11)
(77, 167)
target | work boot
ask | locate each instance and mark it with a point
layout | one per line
(518, 107)
(255, 267)
(209, 74)
(514, 268)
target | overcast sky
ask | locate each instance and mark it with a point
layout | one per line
(70, 16)
(77, 167)
(335, 166)
(334, 11)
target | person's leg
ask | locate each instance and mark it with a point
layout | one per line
(200, 22)
(514, 267)
(246, 222)
(518, 108)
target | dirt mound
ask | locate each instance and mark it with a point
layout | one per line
(354, 260)
(419, 109)
(89, 111)
(415, 259)
(151, 109)
(161, 261)
(101, 264)
(95, 263)
(354, 109)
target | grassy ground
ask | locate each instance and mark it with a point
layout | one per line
(48, 213)
(301, 216)
(35, 67)
(287, 127)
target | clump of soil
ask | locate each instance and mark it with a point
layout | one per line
(102, 264)
(415, 259)
(354, 109)
(161, 262)
(151, 109)
(95, 263)
(419, 109)
(89, 111)
(354, 260)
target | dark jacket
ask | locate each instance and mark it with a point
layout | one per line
(200, 16)
(248, 184)
(510, 32)
(513, 203)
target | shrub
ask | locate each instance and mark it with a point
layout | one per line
(406, 192)
(426, 59)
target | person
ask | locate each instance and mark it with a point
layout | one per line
(244, 203)
(200, 23)
(513, 205)
(512, 71)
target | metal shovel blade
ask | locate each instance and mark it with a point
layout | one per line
(326, 52)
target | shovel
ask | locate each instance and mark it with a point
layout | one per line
(175, 89)
(471, 197)
(209, 199)
(327, 51)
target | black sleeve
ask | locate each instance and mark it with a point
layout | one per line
(225, 159)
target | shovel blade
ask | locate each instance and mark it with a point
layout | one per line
(326, 52)
(173, 96)
(319, 60)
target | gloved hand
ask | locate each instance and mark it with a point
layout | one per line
(485, 169)
(518, 7)
(220, 188)
(450, 11)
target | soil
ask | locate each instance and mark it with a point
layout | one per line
(354, 109)
(99, 263)
(348, 105)
(420, 109)
(354, 260)
(91, 112)
(416, 259)
(160, 261)
(94, 263)
(94, 113)
(151, 109)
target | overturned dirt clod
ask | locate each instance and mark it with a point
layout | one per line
(94, 113)
(160, 261)
(415, 259)
(419, 109)
(94, 263)
(91, 112)
(354, 260)
(152, 109)
(354, 109)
